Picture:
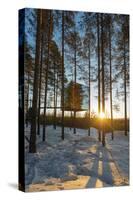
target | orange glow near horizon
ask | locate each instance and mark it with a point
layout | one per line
(101, 115)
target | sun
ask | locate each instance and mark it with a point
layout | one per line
(102, 115)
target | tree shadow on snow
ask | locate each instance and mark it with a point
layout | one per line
(106, 176)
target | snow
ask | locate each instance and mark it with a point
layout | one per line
(80, 161)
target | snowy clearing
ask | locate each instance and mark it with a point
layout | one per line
(79, 161)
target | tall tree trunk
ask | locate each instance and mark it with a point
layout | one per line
(75, 81)
(56, 98)
(72, 102)
(62, 82)
(125, 87)
(27, 100)
(103, 88)
(89, 91)
(40, 78)
(30, 103)
(110, 63)
(46, 77)
(98, 56)
(54, 125)
(32, 145)
(39, 98)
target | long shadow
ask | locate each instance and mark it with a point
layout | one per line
(93, 173)
(106, 176)
(107, 173)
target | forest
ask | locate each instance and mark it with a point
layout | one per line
(76, 71)
(75, 96)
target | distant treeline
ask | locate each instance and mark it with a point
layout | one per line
(83, 123)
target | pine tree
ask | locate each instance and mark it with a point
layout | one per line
(98, 62)
(32, 145)
(110, 64)
(62, 83)
(46, 73)
(103, 86)
(122, 59)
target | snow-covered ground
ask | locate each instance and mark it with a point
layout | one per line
(79, 161)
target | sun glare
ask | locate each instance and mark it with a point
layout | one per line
(102, 115)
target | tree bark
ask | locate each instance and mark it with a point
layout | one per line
(98, 56)
(89, 91)
(46, 77)
(75, 80)
(54, 125)
(62, 82)
(27, 100)
(110, 63)
(40, 78)
(103, 88)
(32, 145)
(56, 99)
(125, 87)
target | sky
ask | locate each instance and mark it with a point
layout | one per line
(94, 90)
